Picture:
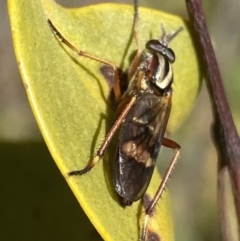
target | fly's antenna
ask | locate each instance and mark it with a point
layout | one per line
(166, 38)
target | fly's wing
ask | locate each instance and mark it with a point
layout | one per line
(140, 139)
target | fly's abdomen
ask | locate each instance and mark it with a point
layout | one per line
(140, 139)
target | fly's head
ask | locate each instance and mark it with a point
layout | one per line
(158, 60)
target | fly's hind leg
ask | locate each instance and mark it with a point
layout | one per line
(149, 210)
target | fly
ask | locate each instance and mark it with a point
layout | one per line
(143, 110)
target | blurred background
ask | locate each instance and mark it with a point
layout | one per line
(37, 208)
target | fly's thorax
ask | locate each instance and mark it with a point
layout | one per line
(161, 73)
(158, 73)
(154, 75)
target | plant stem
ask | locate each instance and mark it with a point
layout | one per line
(224, 132)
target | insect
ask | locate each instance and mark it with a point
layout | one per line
(143, 109)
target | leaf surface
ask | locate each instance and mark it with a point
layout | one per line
(68, 95)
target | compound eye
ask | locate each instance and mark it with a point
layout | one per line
(170, 55)
(156, 46)
(152, 44)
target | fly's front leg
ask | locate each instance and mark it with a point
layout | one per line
(152, 204)
(117, 94)
(116, 86)
(137, 58)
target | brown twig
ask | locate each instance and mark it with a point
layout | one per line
(224, 131)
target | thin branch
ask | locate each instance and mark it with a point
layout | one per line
(224, 131)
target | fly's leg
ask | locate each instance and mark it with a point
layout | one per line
(137, 57)
(116, 86)
(107, 140)
(126, 77)
(117, 95)
(151, 206)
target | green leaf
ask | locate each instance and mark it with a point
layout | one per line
(68, 95)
